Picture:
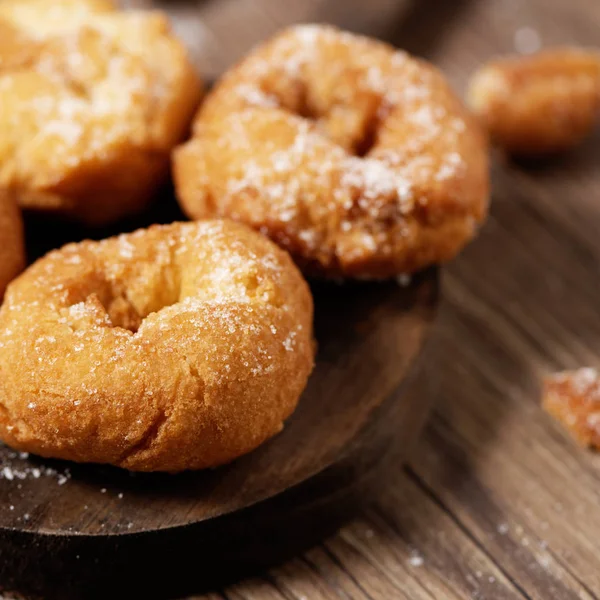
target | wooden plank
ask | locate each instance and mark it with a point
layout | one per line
(254, 589)
(406, 546)
(300, 579)
(422, 550)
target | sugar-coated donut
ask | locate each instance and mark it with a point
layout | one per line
(352, 155)
(177, 347)
(92, 100)
(539, 104)
(12, 253)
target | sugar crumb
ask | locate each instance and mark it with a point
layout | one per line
(502, 529)
(416, 560)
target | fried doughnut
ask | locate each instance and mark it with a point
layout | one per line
(92, 101)
(355, 157)
(12, 253)
(573, 399)
(538, 104)
(176, 347)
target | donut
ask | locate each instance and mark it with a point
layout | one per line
(12, 253)
(176, 347)
(354, 156)
(538, 104)
(92, 101)
(573, 399)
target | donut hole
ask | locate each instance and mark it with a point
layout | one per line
(122, 313)
(352, 125)
(127, 308)
(100, 309)
(369, 138)
(288, 94)
(122, 303)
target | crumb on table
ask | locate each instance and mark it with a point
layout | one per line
(573, 399)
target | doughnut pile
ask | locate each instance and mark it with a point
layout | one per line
(539, 104)
(12, 253)
(177, 347)
(92, 101)
(355, 157)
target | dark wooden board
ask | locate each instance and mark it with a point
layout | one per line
(75, 530)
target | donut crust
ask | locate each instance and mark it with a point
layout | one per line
(355, 157)
(539, 104)
(177, 347)
(92, 101)
(12, 250)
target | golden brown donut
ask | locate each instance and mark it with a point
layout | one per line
(92, 101)
(12, 252)
(355, 157)
(573, 399)
(538, 104)
(176, 347)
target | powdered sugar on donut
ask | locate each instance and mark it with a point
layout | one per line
(86, 89)
(325, 140)
(176, 347)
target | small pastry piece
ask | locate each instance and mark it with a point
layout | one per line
(176, 347)
(573, 398)
(538, 104)
(352, 155)
(12, 252)
(92, 101)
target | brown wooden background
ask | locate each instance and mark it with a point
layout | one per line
(497, 501)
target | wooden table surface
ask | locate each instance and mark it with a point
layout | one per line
(497, 501)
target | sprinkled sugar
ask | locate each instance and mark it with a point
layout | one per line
(83, 104)
(14, 468)
(313, 172)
